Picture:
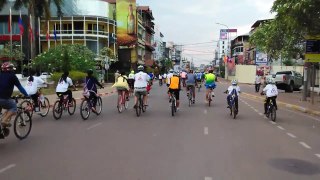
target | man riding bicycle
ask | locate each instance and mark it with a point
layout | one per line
(191, 83)
(174, 87)
(90, 84)
(199, 77)
(8, 80)
(271, 92)
(234, 89)
(141, 80)
(210, 84)
(183, 77)
(131, 80)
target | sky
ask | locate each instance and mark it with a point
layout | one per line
(194, 21)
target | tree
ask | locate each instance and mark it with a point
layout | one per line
(16, 53)
(36, 8)
(65, 57)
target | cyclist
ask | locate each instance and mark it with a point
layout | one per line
(234, 89)
(184, 77)
(210, 79)
(169, 75)
(63, 85)
(191, 83)
(90, 84)
(160, 79)
(8, 80)
(131, 80)
(271, 92)
(198, 77)
(175, 87)
(32, 89)
(141, 80)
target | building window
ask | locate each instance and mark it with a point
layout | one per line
(222, 42)
(92, 28)
(222, 47)
(67, 28)
(222, 51)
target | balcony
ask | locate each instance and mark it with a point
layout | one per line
(149, 26)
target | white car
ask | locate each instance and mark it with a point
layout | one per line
(45, 75)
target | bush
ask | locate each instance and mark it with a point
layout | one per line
(76, 76)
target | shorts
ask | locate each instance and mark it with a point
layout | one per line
(139, 93)
(210, 86)
(176, 93)
(192, 86)
(8, 104)
(199, 80)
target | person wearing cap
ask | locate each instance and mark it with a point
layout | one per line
(91, 83)
(271, 92)
(141, 80)
(8, 80)
(234, 89)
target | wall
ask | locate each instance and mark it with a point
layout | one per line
(245, 73)
(276, 69)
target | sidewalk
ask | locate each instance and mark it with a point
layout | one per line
(108, 90)
(289, 100)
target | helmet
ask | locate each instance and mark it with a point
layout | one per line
(175, 73)
(234, 82)
(140, 68)
(89, 71)
(7, 66)
(171, 71)
(271, 81)
(132, 72)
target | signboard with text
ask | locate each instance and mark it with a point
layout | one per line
(312, 50)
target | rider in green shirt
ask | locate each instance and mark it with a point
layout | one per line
(210, 82)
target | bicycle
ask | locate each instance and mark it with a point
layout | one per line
(140, 106)
(122, 100)
(271, 111)
(210, 94)
(160, 82)
(232, 104)
(173, 104)
(199, 86)
(22, 120)
(87, 104)
(190, 95)
(62, 104)
(43, 102)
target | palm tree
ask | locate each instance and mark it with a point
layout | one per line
(36, 8)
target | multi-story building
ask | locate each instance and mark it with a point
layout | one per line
(239, 50)
(91, 23)
(159, 45)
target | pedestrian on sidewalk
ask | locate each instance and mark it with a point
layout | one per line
(257, 82)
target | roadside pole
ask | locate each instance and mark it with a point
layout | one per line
(313, 82)
(305, 83)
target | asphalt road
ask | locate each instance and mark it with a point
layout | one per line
(199, 143)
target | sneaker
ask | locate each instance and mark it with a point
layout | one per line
(212, 94)
(193, 101)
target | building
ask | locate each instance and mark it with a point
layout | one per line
(159, 45)
(91, 23)
(239, 47)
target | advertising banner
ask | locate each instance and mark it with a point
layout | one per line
(312, 50)
(223, 34)
(126, 23)
(261, 58)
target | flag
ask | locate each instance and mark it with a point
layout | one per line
(9, 21)
(21, 26)
(47, 34)
(55, 32)
(30, 30)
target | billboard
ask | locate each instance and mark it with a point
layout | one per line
(126, 23)
(224, 33)
(312, 50)
(261, 58)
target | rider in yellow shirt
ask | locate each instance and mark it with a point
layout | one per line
(174, 87)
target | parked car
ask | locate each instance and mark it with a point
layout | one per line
(288, 80)
(45, 75)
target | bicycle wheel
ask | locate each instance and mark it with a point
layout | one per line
(27, 106)
(234, 111)
(44, 107)
(22, 125)
(84, 109)
(138, 109)
(72, 108)
(273, 114)
(173, 104)
(190, 98)
(268, 112)
(120, 105)
(99, 106)
(143, 107)
(57, 110)
(126, 103)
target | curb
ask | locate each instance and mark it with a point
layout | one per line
(287, 105)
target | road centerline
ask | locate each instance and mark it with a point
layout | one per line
(94, 126)
(7, 168)
(305, 145)
(206, 131)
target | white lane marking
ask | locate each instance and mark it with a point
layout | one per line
(205, 111)
(318, 155)
(207, 178)
(291, 135)
(260, 114)
(7, 168)
(94, 126)
(280, 127)
(265, 117)
(206, 130)
(255, 110)
(305, 145)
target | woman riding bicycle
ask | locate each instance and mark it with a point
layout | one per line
(63, 85)
(90, 84)
(32, 88)
(122, 84)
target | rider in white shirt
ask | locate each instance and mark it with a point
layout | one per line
(32, 89)
(271, 92)
(141, 80)
(169, 76)
(233, 89)
(63, 85)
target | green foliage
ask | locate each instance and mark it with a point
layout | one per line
(16, 53)
(149, 69)
(76, 76)
(288, 62)
(65, 57)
